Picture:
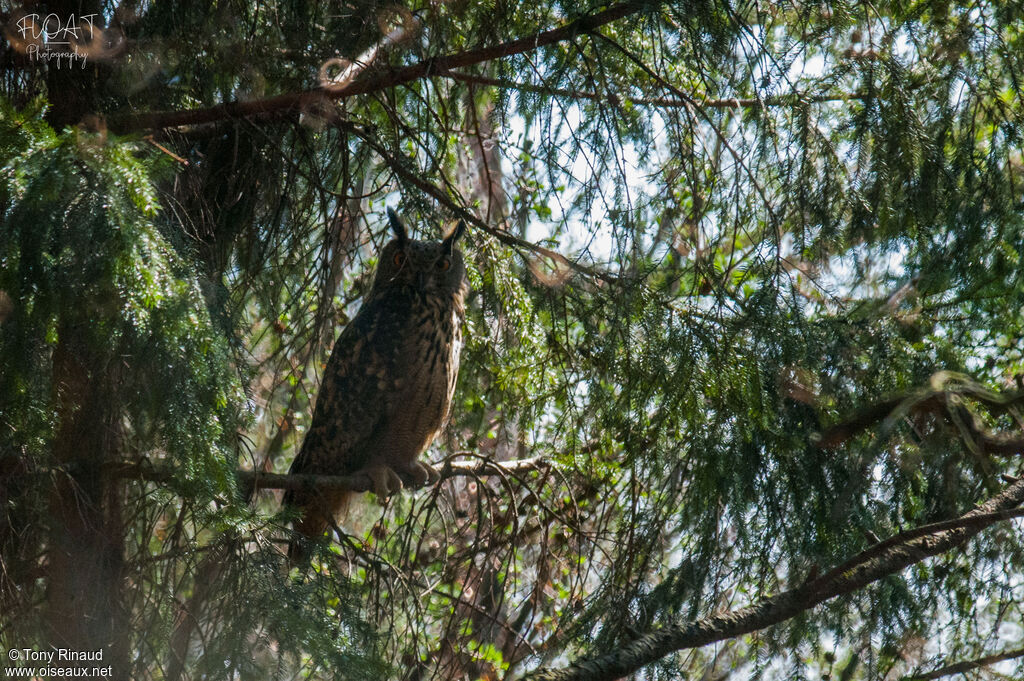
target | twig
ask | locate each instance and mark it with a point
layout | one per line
(179, 159)
(861, 420)
(187, 618)
(350, 70)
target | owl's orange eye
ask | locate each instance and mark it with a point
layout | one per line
(399, 258)
(443, 264)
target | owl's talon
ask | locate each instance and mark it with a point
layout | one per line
(381, 480)
(419, 474)
(385, 481)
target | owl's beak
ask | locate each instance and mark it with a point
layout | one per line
(421, 280)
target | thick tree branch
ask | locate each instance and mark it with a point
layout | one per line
(378, 80)
(967, 665)
(865, 568)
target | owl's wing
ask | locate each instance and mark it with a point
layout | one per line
(353, 401)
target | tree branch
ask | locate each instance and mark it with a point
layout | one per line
(944, 393)
(252, 480)
(967, 665)
(502, 235)
(857, 422)
(698, 101)
(379, 80)
(869, 566)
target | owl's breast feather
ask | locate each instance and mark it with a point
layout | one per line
(429, 368)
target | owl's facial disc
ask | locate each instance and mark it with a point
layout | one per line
(430, 267)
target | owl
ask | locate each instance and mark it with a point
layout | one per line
(388, 385)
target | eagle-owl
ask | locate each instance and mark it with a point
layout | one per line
(389, 382)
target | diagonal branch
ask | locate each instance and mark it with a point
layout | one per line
(865, 568)
(379, 80)
(502, 235)
(966, 665)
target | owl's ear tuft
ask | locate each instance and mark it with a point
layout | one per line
(453, 236)
(396, 225)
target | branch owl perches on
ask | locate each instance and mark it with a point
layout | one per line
(388, 386)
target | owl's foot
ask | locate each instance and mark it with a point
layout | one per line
(419, 474)
(381, 480)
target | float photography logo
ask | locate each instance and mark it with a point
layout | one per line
(62, 40)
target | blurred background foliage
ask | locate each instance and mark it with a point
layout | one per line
(701, 234)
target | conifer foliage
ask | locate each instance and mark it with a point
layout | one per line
(743, 389)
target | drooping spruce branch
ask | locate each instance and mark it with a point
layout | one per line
(867, 567)
(380, 80)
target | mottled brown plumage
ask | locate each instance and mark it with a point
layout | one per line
(389, 382)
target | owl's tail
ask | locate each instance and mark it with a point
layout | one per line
(319, 511)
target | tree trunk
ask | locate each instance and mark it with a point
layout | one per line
(85, 562)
